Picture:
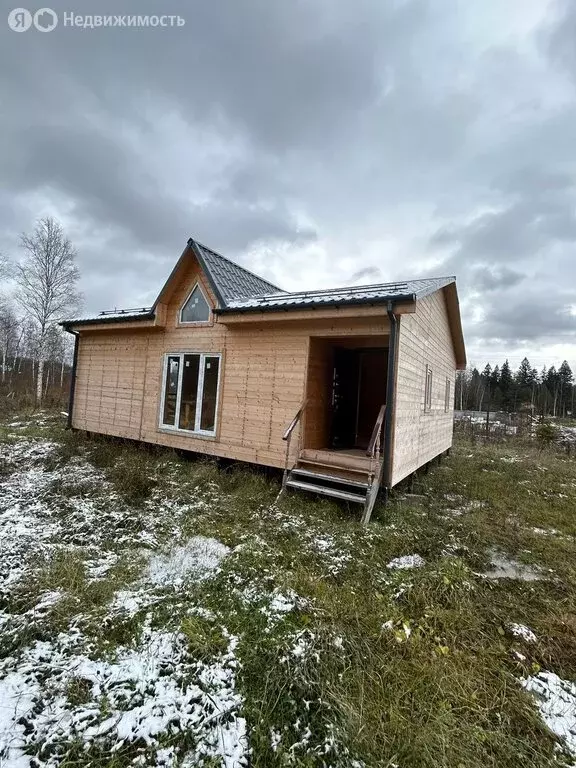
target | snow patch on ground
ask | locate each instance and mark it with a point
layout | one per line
(545, 531)
(556, 700)
(198, 558)
(521, 630)
(144, 692)
(336, 559)
(406, 561)
(63, 691)
(504, 567)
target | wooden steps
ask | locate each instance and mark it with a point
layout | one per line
(349, 476)
(326, 490)
(353, 461)
(333, 478)
(313, 478)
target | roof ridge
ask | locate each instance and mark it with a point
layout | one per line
(238, 266)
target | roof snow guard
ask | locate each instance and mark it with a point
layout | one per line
(112, 316)
(364, 294)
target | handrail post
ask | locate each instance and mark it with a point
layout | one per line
(285, 476)
(374, 449)
(287, 436)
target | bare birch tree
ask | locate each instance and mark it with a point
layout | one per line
(8, 334)
(46, 283)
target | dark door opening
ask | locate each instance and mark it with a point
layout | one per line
(358, 392)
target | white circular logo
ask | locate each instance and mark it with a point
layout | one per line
(19, 20)
(45, 20)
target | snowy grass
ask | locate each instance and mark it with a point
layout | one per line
(155, 611)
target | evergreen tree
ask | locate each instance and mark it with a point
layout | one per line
(477, 390)
(496, 395)
(486, 381)
(524, 374)
(565, 380)
(552, 383)
(525, 383)
(506, 386)
(495, 378)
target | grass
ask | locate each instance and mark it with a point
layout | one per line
(385, 667)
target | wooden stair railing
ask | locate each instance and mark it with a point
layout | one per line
(376, 467)
(317, 479)
(287, 437)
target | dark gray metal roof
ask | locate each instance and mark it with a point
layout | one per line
(410, 290)
(239, 290)
(112, 316)
(229, 280)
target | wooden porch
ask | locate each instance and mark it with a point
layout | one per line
(341, 437)
(353, 461)
(353, 475)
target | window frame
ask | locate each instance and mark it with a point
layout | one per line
(196, 432)
(186, 300)
(428, 384)
(448, 395)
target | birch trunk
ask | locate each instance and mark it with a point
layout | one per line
(39, 380)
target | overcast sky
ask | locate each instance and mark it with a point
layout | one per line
(316, 142)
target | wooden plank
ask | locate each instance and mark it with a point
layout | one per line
(425, 338)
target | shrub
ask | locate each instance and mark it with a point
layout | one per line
(132, 476)
(546, 434)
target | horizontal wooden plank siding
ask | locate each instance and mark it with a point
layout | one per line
(420, 433)
(264, 367)
(110, 382)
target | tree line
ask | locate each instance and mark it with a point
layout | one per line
(37, 290)
(549, 392)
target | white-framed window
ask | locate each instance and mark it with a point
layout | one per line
(428, 389)
(448, 395)
(196, 308)
(190, 389)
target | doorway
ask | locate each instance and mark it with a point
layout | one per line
(358, 392)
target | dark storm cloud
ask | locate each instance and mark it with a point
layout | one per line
(501, 255)
(490, 278)
(274, 78)
(369, 274)
(560, 37)
(529, 317)
(536, 209)
(317, 142)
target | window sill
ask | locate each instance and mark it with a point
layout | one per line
(199, 324)
(187, 432)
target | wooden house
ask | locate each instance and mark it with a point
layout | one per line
(348, 390)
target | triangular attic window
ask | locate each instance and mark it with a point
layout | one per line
(195, 309)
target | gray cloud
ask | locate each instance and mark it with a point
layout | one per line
(368, 274)
(316, 142)
(529, 317)
(559, 38)
(490, 278)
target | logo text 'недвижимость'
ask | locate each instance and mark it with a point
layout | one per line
(45, 20)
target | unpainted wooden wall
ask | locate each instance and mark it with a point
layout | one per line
(419, 434)
(263, 378)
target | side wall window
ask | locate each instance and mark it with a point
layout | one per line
(428, 389)
(448, 396)
(190, 393)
